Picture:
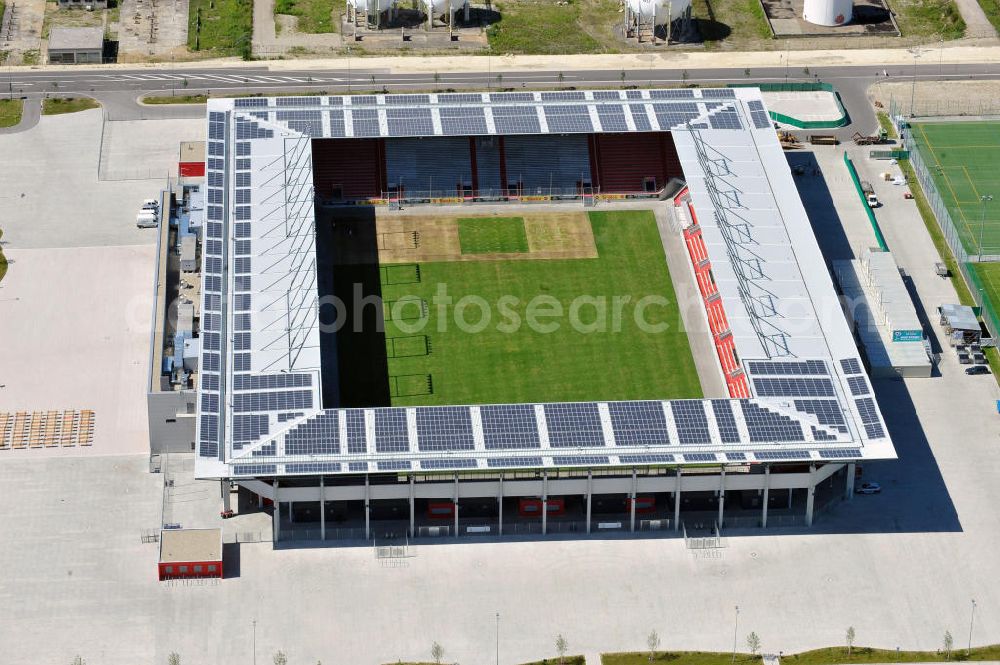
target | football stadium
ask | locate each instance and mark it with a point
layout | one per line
(453, 315)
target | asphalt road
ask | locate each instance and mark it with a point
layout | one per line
(119, 90)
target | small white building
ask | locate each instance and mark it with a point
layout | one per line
(74, 46)
(189, 253)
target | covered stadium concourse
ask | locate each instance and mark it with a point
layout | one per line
(800, 414)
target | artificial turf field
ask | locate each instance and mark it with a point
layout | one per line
(964, 161)
(432, 361)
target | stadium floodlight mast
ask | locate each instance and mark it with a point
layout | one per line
(498, 638)
(984, 199)
(736, 627)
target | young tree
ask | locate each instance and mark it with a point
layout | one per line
(849, 639)
(437, 79)
(746, 73)
(753, 643)
(280, 658)
(173, 658)
(500, 80)
(79, 661)
(685, 75)
(948, 644)
(562, 646)
(561, 77)
(653, 642)
(437, 652)
(621, 75)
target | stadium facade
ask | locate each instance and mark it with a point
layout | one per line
(800, 409)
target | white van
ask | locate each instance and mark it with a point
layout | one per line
(146, 219)
(151, 204)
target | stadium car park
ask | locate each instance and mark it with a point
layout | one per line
(275, 415)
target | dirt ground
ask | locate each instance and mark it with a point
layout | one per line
(427, 238)
(940, 98)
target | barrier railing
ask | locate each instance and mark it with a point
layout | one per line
(811, 86)
(864, 201)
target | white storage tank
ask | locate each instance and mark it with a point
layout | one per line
(371, 6)
(663, 11)
(439, 8)
(828, 12)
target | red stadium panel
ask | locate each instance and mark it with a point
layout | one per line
(440, 510)
(630, 163)
(191, 169)
(533, 507)
(349, 169)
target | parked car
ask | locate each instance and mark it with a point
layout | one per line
(977, 369)
(868, 488)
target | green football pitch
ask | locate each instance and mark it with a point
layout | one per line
(964, 161)
(434, 360)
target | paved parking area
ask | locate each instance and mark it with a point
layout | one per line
(50, 195)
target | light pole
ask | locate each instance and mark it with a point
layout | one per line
(984, 199)
(349, 69)
(254, 642)
(972, 619)
(736, 627)
(498, 638)
(916, 53)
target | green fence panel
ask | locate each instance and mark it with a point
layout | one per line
(864, 201)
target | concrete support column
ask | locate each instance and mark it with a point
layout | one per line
(500, 508)
(368, 512)
(545, 503)
(276, 515)
(413, 510)
(767, 494)
(590, 496)
(811, 496)
(456, 505)
(260, 502)
(224, 484)
(322, 508)
(631, 516)
(722, 497)
(791, 493)
(677, 501)
(849, 481)
(291, 515)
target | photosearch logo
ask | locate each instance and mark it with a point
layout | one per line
(542, 313)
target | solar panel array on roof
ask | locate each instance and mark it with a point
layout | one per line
(723, 410)
(858, 385)
(727, 119)
(672, 94)
(768, 455)
(276, 401)
(568, 118)
(692, 425)
(513, 462)
(638, 423)
(840, 453)
(445, 428)
(793, 387)
(612, 117)
(786, 367)
(516, 120)
(651, 458)
(512, 96)
(313, 467)
(442, 464)
(699, 457)
(509, 426)
(460, 98)
(463, 120)
(758, 115)
(575, 424)
(391, 432)
(579, 460)
(355, 429)
(409, 121)
(850, 366)
(567, 96)
(365, 122)
(766, 425)
(337, 126)
(869, 417)
(827, 412)
(319, 435)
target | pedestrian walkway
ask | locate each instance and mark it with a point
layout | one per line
(30, 115)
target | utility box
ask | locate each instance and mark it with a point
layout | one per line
(189, 253)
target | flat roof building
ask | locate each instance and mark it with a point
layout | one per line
(190, 553)
(74, 46)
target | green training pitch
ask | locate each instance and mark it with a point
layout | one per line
(492, 235)
(963, 158)
(431, 361)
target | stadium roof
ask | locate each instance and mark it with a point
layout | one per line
(259, 410)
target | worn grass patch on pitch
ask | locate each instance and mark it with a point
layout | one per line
(485, 235)
(547, 330)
